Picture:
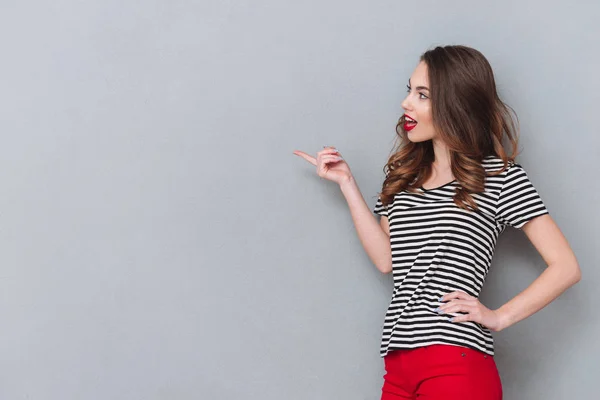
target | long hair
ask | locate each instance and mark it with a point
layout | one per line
(469, 118)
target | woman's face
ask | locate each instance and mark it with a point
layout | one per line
(417, 106)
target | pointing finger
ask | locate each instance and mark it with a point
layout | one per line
(307, 157)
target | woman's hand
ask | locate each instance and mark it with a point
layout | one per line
(330, 164)
(476, 312)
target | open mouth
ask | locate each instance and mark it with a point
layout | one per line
(409, 123)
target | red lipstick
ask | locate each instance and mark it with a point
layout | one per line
(409, 123)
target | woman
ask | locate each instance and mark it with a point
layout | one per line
(450, 191)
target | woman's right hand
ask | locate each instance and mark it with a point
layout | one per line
(330, 164)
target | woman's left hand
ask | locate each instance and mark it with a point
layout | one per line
(476, 312)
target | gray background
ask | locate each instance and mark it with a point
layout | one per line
(159, 240)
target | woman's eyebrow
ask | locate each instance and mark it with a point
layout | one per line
(419, 87)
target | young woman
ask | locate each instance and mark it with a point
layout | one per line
(450, 191)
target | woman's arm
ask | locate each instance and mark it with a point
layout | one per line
(562, 272)
(372, 234)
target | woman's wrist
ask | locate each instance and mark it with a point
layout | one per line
(347, 182)
(503, 319)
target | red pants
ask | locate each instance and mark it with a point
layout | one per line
(439, 372)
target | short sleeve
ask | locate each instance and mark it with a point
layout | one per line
(518, 201)
(380, 208)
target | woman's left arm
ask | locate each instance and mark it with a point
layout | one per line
(562, 272)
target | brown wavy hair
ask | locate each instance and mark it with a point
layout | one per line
(468, 116)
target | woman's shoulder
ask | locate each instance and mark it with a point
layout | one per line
(494, 163)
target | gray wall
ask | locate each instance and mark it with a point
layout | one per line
(159, 240)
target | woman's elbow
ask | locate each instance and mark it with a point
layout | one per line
(386, 269)
(576, 274)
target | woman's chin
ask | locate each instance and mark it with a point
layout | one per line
(416, 137)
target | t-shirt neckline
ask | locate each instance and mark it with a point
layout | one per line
(439, 187)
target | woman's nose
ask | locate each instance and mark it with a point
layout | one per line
(406, 103)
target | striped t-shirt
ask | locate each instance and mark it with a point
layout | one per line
(438, 248)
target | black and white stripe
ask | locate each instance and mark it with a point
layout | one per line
(438, 248)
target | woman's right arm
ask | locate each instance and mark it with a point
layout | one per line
(374, 235)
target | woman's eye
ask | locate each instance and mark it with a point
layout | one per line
(420, 94)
